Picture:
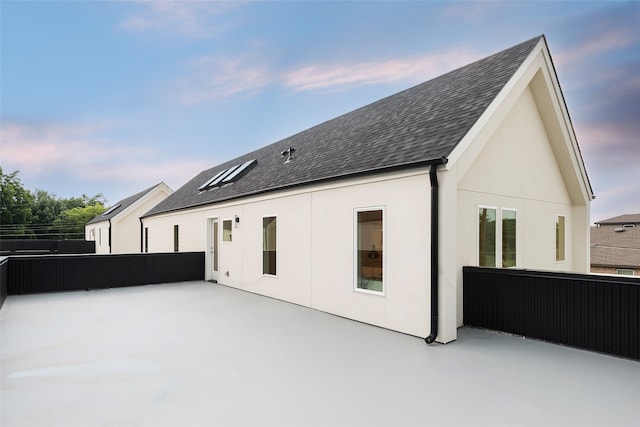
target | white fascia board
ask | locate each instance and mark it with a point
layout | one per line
(539, 59)
(155, 190)
(496, 104)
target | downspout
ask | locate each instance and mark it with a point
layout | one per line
(433, 176)
(109, 235)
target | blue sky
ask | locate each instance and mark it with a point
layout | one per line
(116, 96)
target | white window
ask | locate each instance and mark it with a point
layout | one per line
(227, 228)
(508, 237)
(497, 237)
(625, 271)
(369, 245)
(269, 245)
(560, 238)
(487, 233)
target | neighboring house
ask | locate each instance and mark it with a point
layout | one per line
(119, 229)
(371, 215)
(615, 245)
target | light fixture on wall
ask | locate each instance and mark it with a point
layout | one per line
(237, 221)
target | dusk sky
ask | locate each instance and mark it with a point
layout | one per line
(113, 97)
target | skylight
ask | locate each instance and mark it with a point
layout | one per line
(228, 175)
(111, 209)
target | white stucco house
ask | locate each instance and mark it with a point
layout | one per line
(119, 229)
(373, 214)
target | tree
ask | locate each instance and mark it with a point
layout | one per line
(15, 207)
(71, 222)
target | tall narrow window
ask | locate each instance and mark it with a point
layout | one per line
(269, 245)
(508, 238)
(487, 237)
(369, 257)
(100, 236)
(176, 238)
(146, 239)
(560, 237)
(226, 230)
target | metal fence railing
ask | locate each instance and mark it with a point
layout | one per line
(594, 312)
(52, 273)
(40, 246)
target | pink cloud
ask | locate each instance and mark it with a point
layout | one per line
(192, 19)
(79, 152)
(346, 75)
(213, 78)
(604, 42)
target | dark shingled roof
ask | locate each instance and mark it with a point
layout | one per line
(418, 126)
(621, 219)
(121, 206)
(615, 248)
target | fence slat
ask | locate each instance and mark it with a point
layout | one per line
(588, 311)
(53, 273)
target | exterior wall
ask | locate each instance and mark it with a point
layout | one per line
(99, 231)
(517, 169)
(126, 232)
(315, 247)
(125, 227)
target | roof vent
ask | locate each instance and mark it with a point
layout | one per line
(619, 229)
(289, 153)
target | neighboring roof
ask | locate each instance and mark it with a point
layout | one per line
(615, 248)
(418, 126)
(122, 205)
(621, 219)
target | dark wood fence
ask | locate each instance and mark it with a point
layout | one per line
(593, 312)
(52, 273)
(39, 246)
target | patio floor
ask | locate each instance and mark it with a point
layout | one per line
(198, 354)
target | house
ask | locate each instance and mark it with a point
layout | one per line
(615, 245)
(118, 230)
(371, 215)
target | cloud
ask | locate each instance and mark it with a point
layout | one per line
(596, 45)
(346, 75)
(191, 19)
(213, 78)
(78, 152)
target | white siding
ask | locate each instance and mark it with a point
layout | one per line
(517, 169)
(315, 247)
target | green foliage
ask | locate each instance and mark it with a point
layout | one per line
(15, 206)
(41, 214)
(71, 222)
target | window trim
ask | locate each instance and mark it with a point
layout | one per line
(262, 245)
(384, 251)
(502, 236)
(564, 238)
(231, 235)
(498, 234)
(498, 253)
(630, 270)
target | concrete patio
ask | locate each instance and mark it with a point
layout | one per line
(198, 354)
